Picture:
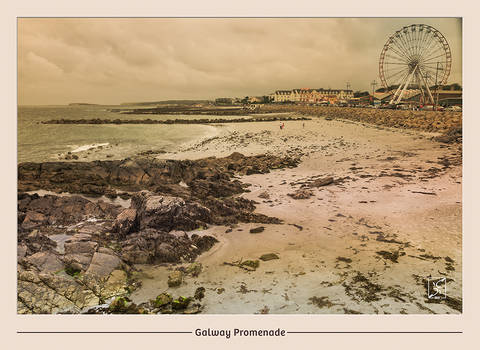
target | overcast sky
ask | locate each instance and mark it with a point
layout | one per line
(112, 61)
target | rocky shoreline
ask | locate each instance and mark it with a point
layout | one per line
(74, 254)
(419, 120)
(323, 216)
(173, 121)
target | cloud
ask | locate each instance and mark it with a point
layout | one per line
(117, 60)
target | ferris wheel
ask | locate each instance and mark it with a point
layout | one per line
(415, 57)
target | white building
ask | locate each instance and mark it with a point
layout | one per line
(311, 95)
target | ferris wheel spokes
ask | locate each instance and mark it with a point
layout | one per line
(414, 57)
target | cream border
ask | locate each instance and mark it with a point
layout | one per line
(12, 322)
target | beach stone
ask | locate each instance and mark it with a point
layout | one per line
(257, 229)
(301, 194)
(254, 264)
(322, 182)
(269, 256)
(162, 300)
(199, 293)
(264, 195)
(194, 269)
(175, 278)
(181, 303)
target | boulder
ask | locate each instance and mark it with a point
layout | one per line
(126, 222)
(103, 264)
(175, 278)
(169, 213)
(152, 246)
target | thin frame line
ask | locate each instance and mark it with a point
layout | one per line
(101, 332)
(378, 332)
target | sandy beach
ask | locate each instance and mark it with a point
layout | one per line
(324, 215)
(365, 245)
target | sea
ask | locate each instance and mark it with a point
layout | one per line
(37, 142)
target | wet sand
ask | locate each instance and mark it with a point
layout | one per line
(364, 244)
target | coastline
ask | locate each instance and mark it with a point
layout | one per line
(360, 244)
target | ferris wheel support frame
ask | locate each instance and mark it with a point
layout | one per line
(410, 76)
(428, 90)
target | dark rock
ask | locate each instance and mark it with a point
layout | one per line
(175, 278)
(264, 195)
(257, 229)
(322, 182)
(269, 256)
(169, 213)
(203, 243)
(126, 222)
(66, 210)
(162, 300)
(343, 259)
(96, 178)
(303, 193)
(199, 293)
(194, 269)
(254, 264)
(181, 303)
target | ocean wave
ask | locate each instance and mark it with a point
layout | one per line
(87, 147)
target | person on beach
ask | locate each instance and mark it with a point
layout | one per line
(283, 125)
